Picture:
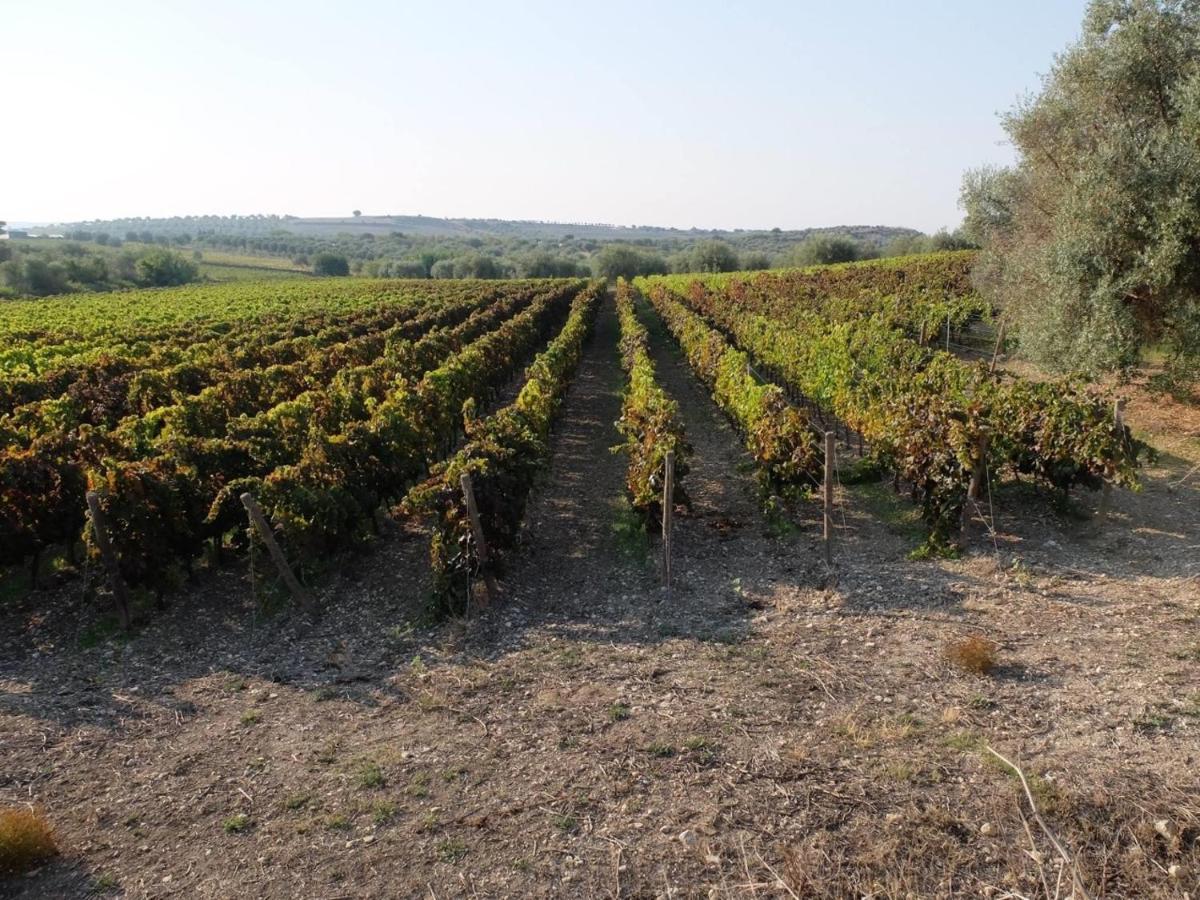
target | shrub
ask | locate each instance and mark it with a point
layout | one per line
(330, 264)
(163, 268)
(26, 841)
(974, 654)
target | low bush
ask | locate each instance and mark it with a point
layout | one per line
(26, 841)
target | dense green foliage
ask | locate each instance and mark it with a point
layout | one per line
(713, 256)
(503, 454)
(166, 268)
(327, 399)
(823, 250)
(847, 339)
(620, 261)
(1091, 237)
(649, 420)
(41, 268)
(330, 264)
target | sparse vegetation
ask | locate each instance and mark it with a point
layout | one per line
(237, 823)
(370, 776)
(105, 881)
(297, 801)
(565, 822)
(383, 812)
(418, 785)
(451, 850)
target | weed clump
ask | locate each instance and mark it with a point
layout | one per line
(371, 776)
(26, 841)
(236, 824)
(974, 654)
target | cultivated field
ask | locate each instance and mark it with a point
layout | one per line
(990, 690)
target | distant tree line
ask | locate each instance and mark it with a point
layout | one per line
(96, 260)
(509, 251)
(43, 268)
(501, 255)
(617, 260)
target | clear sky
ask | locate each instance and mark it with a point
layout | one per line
(690, 113)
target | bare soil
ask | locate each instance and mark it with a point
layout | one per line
(773, 729)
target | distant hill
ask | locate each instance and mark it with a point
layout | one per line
(435, 227)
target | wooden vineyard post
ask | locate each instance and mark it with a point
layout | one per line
(668, 517)
(109, 557)
(999, 344)
(259, 521)
(489, 582)
(830, 450)
(978, 472)
(947, 334)
(1106, 494)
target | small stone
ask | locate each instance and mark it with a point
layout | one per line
(1167, 829)
(1175, 871)
(687, 838)
(986, 828)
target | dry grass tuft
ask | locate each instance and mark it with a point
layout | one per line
(974, 654)
(26, 840)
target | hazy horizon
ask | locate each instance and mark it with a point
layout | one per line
(681, 115)
(367, 214)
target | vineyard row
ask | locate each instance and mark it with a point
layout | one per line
(928, 417)
(322, 462)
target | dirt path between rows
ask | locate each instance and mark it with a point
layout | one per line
(768, 732)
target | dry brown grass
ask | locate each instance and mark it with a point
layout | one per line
(974, 654)
(26, 840)
(913, 848)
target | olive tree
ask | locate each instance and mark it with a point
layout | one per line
(714, 256)
(1090, 239)
(160, 268)
(621, 261)
(330, 264)
(824, 249)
